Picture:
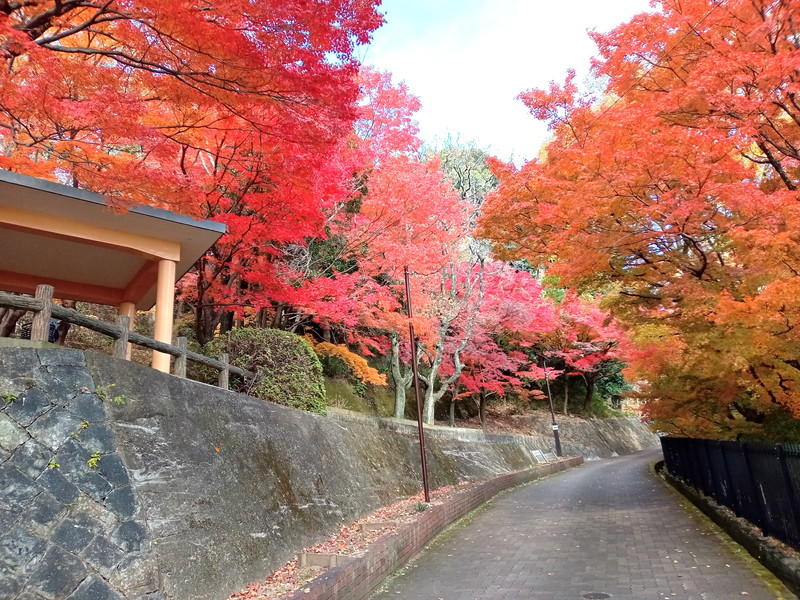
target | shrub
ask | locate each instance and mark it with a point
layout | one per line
(334, 367)
(287, 371)
(357, 365)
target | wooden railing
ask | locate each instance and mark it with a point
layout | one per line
(44, 310)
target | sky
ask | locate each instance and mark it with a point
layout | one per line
(467, 60)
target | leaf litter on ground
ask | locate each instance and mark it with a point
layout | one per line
(349, 541)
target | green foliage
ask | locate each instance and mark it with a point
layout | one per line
(611, 385)
(287, 371)
(360, 388)
(420, 507)
(776, 427)
(9, 397)
(94, 460)
(334, 367)
(553, 288)
(104, 393)
(326, 256)
(599, 407)
(53, 464)
(466, 166)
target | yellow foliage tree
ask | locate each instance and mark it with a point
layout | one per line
(358, 365)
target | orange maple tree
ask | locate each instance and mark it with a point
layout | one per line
(674, 193)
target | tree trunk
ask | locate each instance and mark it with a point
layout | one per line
(8, 320)
(206, 323)
(262, 318)
(566, 392)
(226, 322)
(589, 392)
(452, 412)
(482, 409)
(432, 395)
(277, 321)
(401, 380)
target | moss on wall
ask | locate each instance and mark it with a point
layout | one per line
(340, 393)
(375, 400)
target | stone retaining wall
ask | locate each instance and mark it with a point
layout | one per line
(70, 523)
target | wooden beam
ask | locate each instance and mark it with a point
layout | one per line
(62, 288)
(47, 225)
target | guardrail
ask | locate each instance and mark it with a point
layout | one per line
(758, 482)
(44, 310)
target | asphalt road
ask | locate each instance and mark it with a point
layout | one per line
(608, 529)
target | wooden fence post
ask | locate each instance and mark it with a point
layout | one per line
(40, 328)
(180, 360)
(225, 372)
(123, 322)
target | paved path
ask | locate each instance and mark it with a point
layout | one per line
(608, 529)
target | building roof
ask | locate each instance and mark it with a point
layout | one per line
(69, 238)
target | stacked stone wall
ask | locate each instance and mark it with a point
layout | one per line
(70, 524)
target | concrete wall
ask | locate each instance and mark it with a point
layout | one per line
(598, 438)
(197, 491)
(358, 577)
(589, 438)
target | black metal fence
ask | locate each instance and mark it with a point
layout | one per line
(759, 482)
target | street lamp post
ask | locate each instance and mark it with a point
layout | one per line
(552, 412)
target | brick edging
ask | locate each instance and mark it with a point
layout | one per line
(357, 578)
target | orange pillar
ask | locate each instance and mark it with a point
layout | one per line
(128, 309)
(165, 306)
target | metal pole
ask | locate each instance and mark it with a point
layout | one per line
(552, 412)
(420, 430)
(789, 531)
(758, 499)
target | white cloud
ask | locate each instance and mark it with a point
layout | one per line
(467, 60)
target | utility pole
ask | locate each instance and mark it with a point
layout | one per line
(420, 430)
